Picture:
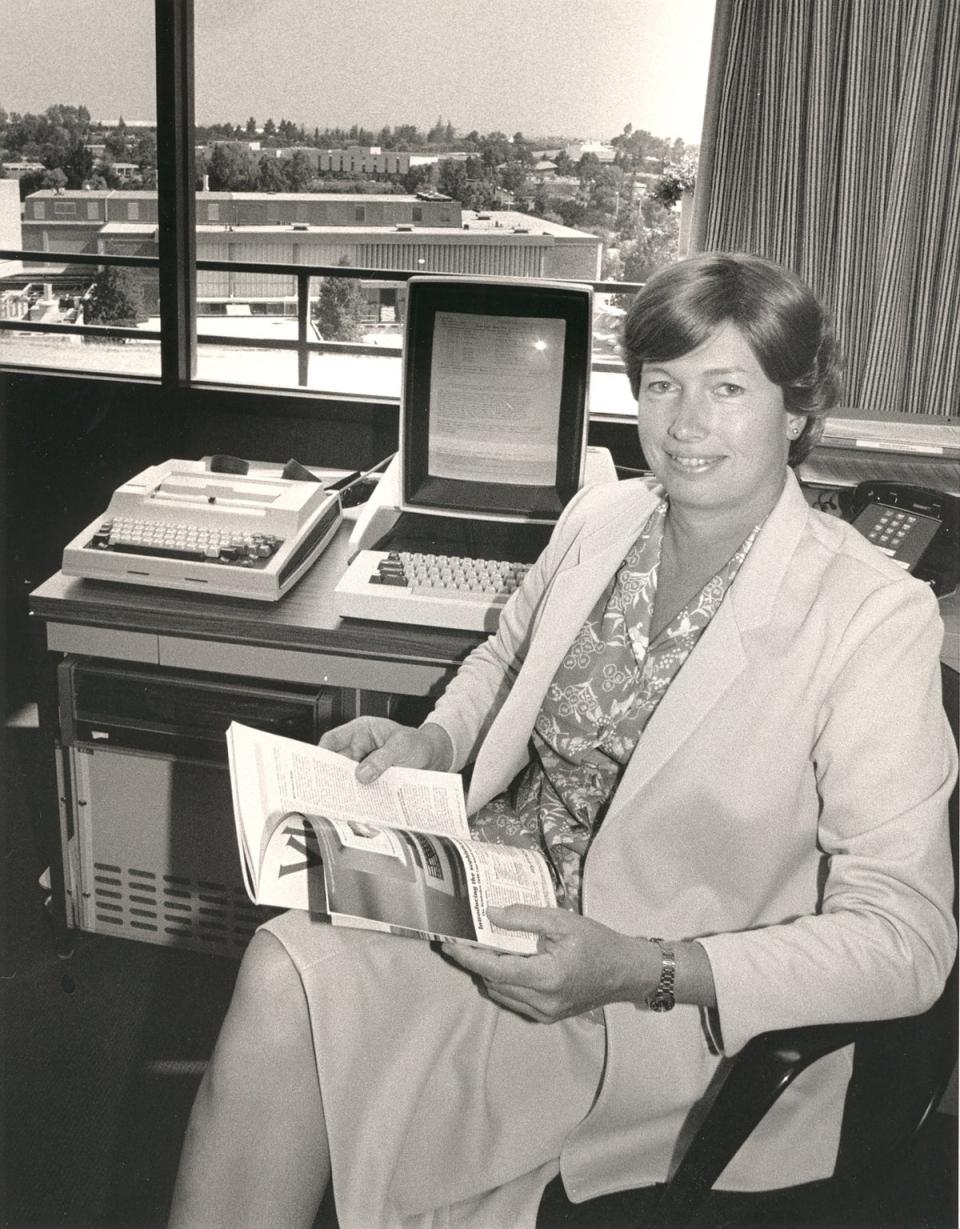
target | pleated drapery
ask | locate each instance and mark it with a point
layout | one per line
(832, 145)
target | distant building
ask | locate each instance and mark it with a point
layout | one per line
(253, 147)
(107, 124)
(124, 170)
(354, 160)
(11, 231)
(454, 155)
(17, 169)
(576, 150)
(426, 232)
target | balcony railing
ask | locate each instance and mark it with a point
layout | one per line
(303, 346)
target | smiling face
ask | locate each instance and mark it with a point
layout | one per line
(714, 430)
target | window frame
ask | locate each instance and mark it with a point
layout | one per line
(177, 264)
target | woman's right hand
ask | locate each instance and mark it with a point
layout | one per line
(377, 743)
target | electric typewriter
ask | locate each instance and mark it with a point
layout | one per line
(181, 525)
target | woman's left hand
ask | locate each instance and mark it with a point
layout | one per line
(579, 964)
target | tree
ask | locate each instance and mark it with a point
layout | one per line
(144, 152)
(658, 232)
(513, 178)
(77, 164)
(565, 166)
(339, 309)
(115, 298)
(416, 177)
(299, 172)
(271, 175)
(35, 181)
(452, 179)
(251, 128)
(115, 143)
(572, 212)
(589, 167)
(677, 178)
(407, 136)
(232, 169)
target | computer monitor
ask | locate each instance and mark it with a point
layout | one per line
(494, 407)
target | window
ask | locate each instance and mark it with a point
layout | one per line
(213, 212)
(74, 102)
(587, 219)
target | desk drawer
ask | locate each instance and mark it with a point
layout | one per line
(103, 642)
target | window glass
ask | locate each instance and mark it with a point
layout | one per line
(85, 139)
(570, 163)
(507, 154)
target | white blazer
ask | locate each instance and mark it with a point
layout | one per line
(786, 806)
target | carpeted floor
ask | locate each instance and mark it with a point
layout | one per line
(97, 1076)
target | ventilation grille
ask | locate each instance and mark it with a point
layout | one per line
(173, 910)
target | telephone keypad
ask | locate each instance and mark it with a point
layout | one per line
(901, 535)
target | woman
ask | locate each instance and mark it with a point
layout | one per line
(680, 708)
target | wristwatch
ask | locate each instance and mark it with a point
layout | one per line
(662, 998)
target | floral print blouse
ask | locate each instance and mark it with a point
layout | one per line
(603, 694)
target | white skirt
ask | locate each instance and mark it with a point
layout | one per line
(442, 1108)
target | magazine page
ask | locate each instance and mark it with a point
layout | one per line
(286, 775)
(272, 775)
(292, 873)
(404, 881)
(251, 807)
(506, 875)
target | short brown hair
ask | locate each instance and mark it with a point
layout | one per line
(785, 324)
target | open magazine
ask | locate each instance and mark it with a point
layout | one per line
(395, 855)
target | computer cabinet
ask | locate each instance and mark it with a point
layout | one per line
(147, 829)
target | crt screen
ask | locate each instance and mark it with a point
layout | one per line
(495, 390)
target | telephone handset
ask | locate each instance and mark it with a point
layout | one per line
(917, 527)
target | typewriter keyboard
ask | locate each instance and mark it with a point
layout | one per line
(200, 543)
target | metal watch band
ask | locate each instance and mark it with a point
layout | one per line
(662, 999)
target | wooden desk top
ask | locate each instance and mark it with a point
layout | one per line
(303, 619)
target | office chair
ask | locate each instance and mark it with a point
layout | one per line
(901, 1069)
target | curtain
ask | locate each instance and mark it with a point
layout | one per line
(832, 145)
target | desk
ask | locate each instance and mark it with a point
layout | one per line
(298, 640)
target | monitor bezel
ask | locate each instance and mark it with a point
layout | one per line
(570, 301)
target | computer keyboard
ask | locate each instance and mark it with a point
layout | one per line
(429, 589)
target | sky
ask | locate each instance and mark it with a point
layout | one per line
(572, 68)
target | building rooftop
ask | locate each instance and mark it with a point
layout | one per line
(128, 228)
(302, 197)
(512, 220)
(530, 228)
(73, 194)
